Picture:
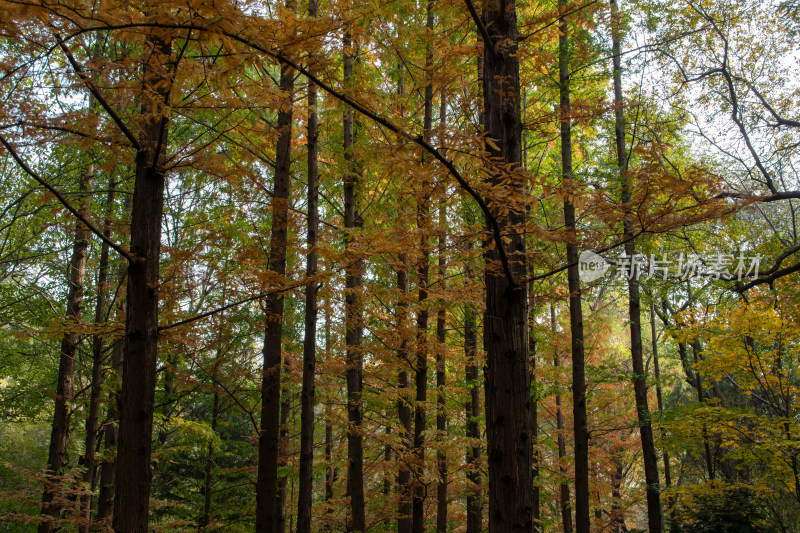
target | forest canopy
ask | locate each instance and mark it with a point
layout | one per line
(385, 266)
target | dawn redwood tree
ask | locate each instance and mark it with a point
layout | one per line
(357, 521)
(134, 472)
(423, 267)
(52, 499)
(580, 427)
(634, 301)
(306, 489)
(563, 487)
(268, 507)
(507, 371)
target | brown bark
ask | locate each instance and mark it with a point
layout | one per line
(304, 501)
(52, 497)
(473, 412)
(419, 489)
(507, 371)
(403, 403)
(134, 473)
(563, 486)
(441, 382)
(653, 490)
(580, 428)
(353, 316)
(268, 508)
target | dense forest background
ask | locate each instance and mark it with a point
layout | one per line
(326, 266)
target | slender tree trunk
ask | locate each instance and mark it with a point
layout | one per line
(52, 497)
(659, 397)
(353, 316)
(441, 382)
(564, 498)
(534, 426)
(654, 517)
(403, 403)
(330, 470)
(268, 508)
(304, 500)
(134, 472)
(283, 450)
(108, 470)
(421, 364)
(473, 413)
(575, 311)
(93, 420)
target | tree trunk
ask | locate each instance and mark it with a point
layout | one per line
(93, 420)
(564, 498)
(403, 403)
(473, 413)
(134, 472)
(353, 320)
(441, 381)
(304, 501)
(421, 364)
(654, 517)
(507, 371)
(52, 497)
(267, 493)
(659, 398)
(580, 428)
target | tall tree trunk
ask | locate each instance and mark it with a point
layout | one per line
(268, 508)
(654, 517)
(330, 470)
(108, 470)
(52, 498)
(134, 472)
(580, 428)
(535, 458)
(93, 420)
(441, 379)
(403, 403)
(508, 382)
(659, 398)
(423, 267)
(283, 450)
(473, 413)
(564, 498)
(306, 493)
(353, 316)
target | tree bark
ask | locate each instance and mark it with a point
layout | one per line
(441, 381)
(473, 413)
(52, 497)
(268, 508)
(403, 403)
(208, 484)
(304, 501)
(507, 371)
(423, 267)
(134, 472)
(654, 517)
(353, 315)
(564, 498)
